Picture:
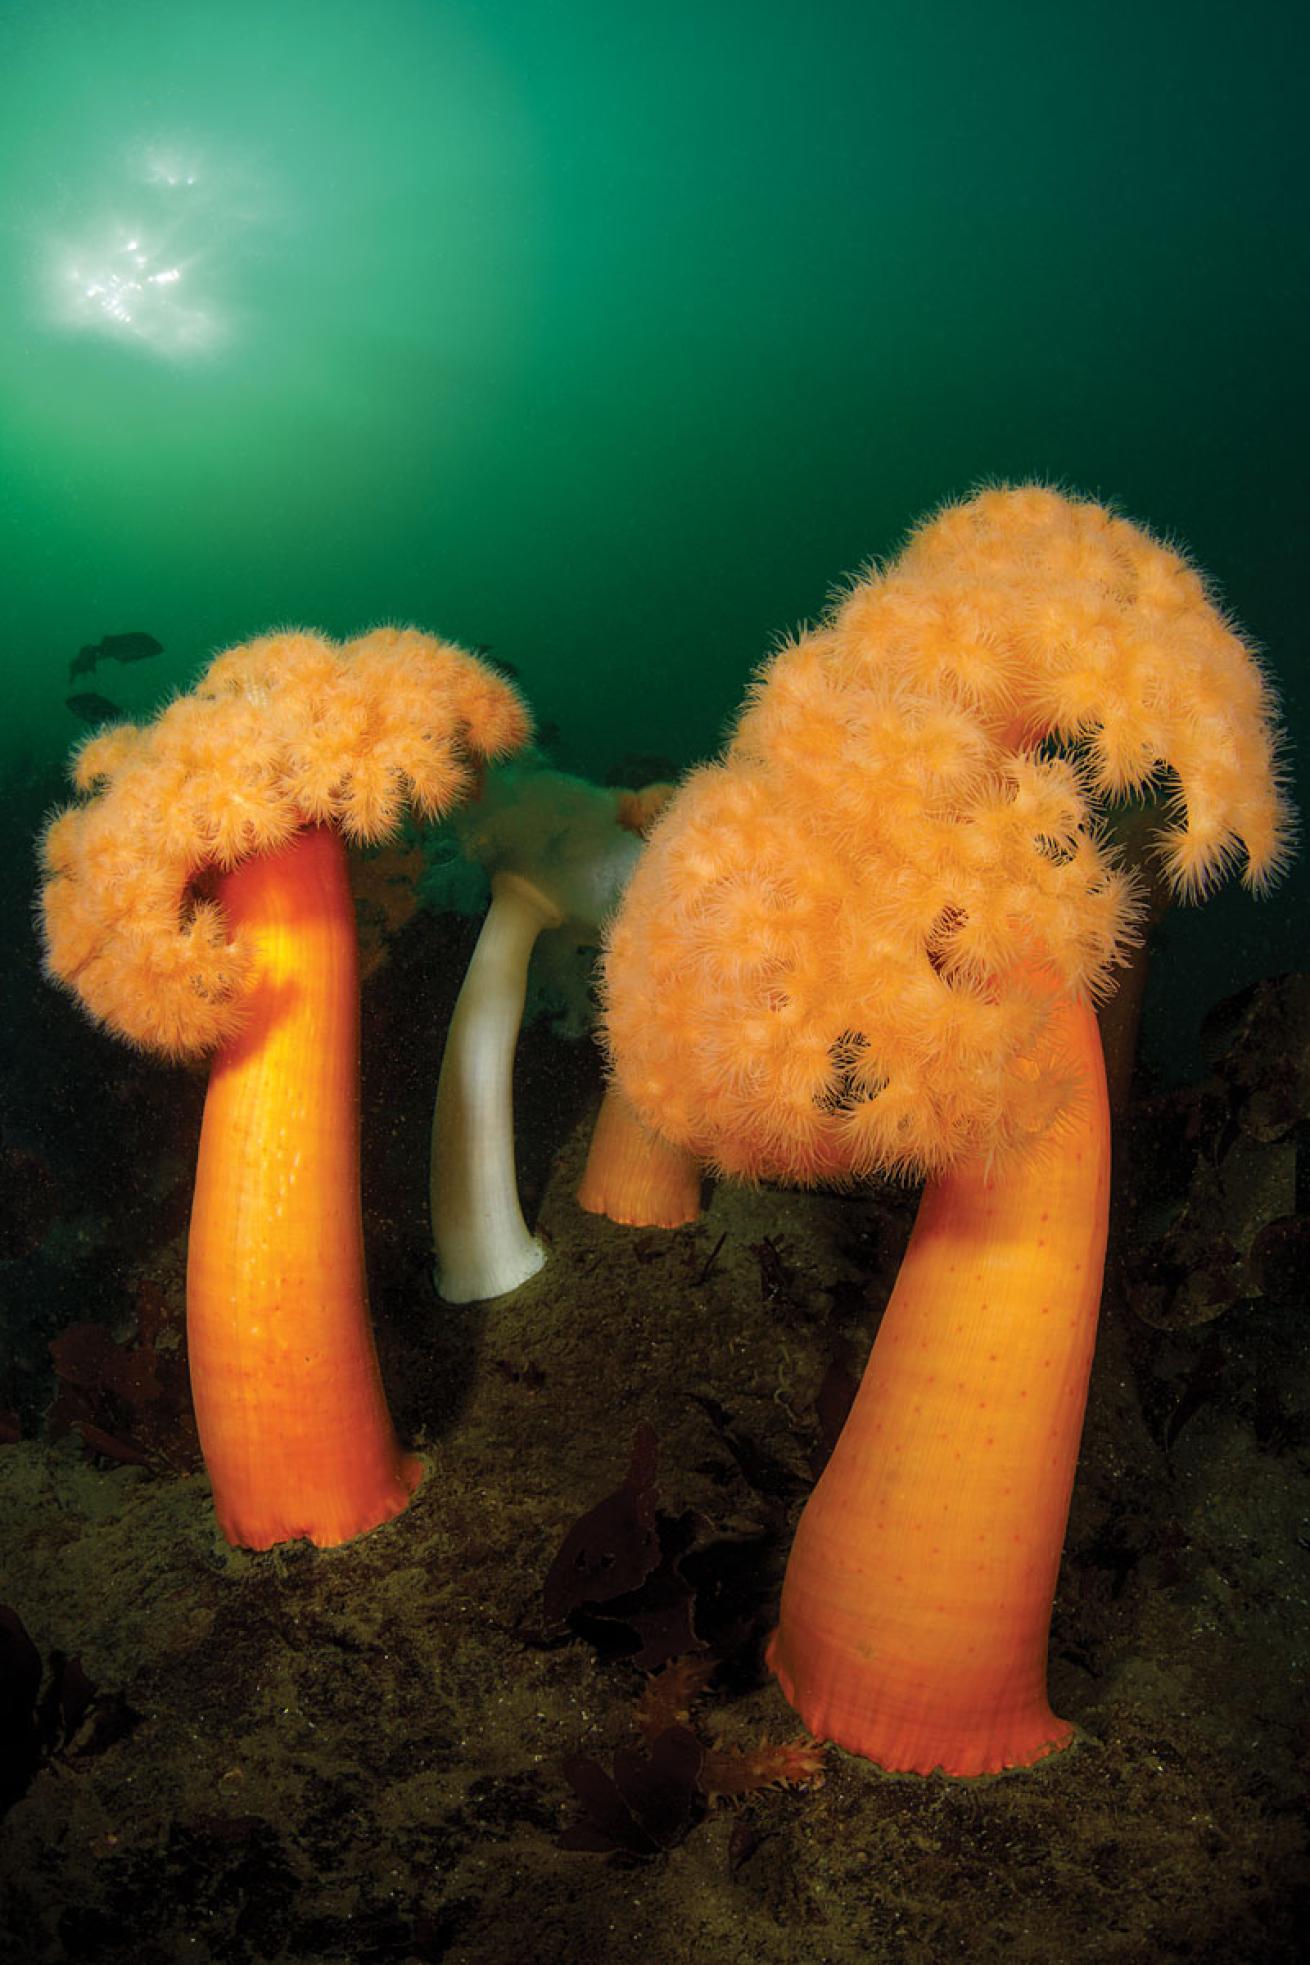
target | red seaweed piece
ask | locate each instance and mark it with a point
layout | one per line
(20, 1682)
(646, 1806)
(617, 1578)
(110, 1446)
(131, 1403)
(615, 1546)
(71, 1720)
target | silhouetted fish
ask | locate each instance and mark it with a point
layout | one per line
(133, 647)
(92, 708)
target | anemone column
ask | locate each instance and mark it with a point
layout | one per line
(917, 1601)
(289, 1402)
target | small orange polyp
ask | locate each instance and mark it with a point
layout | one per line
(633, 1176)
(289, 1403)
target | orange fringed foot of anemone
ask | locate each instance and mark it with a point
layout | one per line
(632, 1175)
(197, 901)
(635, 1177)
(870, 940)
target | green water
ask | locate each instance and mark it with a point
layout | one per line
(611, 336)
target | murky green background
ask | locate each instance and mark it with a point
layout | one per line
(612, 336)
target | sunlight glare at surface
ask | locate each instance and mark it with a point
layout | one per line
(148, 267)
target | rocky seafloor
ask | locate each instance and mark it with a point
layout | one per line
(389, 1752)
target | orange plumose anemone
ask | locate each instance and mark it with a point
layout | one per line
(871, 939)
(196, 901)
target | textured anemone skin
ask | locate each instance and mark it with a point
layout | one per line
(870, 939)
(917, 1601)
(197, 900)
